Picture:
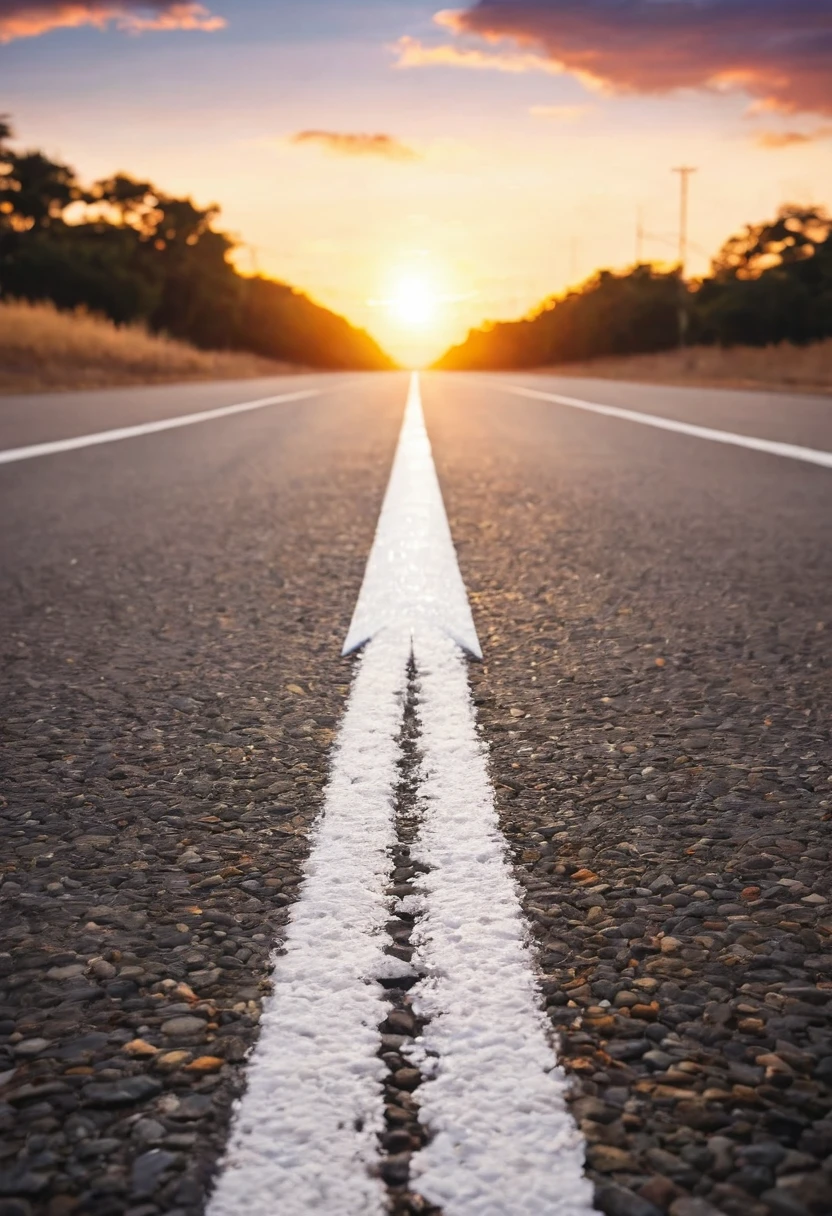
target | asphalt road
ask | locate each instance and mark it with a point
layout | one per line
(655, 617)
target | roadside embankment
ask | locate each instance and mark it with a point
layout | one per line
(781, 367)
(43, 349)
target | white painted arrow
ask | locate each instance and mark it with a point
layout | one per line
(305, 1135)
(412, 576)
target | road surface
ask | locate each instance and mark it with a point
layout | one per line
(653, 608)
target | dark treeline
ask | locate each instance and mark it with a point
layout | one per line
(125, 250)
(771, 283)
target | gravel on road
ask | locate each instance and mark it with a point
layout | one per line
(654, 614)
(171, 692)
(656, 696)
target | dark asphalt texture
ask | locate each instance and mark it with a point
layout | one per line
(655, 617)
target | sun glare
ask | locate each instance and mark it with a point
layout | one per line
(414, 303)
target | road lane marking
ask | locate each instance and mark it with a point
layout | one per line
(503, 1141)
(304, 1136)
(770, 446)
(412, 573)
(12, 455)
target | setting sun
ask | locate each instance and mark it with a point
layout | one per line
(414, 302)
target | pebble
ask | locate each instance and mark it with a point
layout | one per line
(121, 1093)
(183, 1027)
(148, 1170)
(715, 893)
(107, 781)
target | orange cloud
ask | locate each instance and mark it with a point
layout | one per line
(777, 52)
(415, 54)
(25, 19)
(790, 139)
(350, 144)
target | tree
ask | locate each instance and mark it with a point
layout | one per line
(135, 254)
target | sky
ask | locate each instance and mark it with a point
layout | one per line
(421, 170)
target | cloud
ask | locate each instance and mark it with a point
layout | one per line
(414, 54)
(777, 52)
(29, 18)
(349, 144)
(790, 139)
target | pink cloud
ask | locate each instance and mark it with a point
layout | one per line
(779, 53)
(30, 18)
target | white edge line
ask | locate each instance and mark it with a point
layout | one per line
(11, 455)
(770, 446)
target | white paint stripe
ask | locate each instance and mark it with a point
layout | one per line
(11, 455)
(504, 1143)
(412, 574)
(770, 446)
(304, 1137)
(315, 1078)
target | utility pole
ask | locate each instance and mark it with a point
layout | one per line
(685, 172)
(640, 237)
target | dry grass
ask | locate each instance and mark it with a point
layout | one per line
(784, 367)
(42, 349)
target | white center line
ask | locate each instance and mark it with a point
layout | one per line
(412, 574)
(771, 446)
(504, 1143)
(12, 455)
(305, 1135)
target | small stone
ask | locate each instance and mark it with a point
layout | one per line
(132, 973)
(195, 1106)
(395, 1169)
(660, 1190)
(101, 969)
(29, 1048)
(121, 1093)
(618, 1201)
(669, 945)
(70, 972)
(172, 1060)
(148, 1131)
(148, 1170)
(609, 1160)
(400, 1021)
(205, 1064)
(407, 1078)
(184, 1027)
(139, 1049)
(693, 1207)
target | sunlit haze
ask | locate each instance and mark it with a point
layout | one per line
(418, 175)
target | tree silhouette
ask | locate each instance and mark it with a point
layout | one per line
(136, 254)
(770, 283)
